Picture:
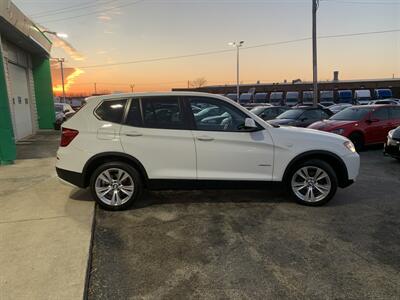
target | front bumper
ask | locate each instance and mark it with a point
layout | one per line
(392, 150)
(71, 177)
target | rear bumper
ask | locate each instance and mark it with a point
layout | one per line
(71, 177)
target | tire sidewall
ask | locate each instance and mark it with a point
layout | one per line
(320, 164)
(137, 180)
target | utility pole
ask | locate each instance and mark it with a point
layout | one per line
(95, 88)
(132, 85)
(315, 4)
(61, 61)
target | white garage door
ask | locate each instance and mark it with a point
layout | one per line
(22, 115)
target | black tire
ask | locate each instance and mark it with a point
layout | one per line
(135, 176)
(358, 140)
(319, 164)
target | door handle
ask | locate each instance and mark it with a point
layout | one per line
(205, 138)
(133, 134)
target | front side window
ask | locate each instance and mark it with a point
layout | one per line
(395, 113)
(224, 117)
(380, 114)
(111, 110)
(162, 112)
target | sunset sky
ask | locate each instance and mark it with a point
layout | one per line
(120, 31)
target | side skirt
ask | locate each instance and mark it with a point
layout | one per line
(181, 184)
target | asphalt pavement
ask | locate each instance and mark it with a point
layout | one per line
(254, 244)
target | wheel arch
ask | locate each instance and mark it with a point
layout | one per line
(359, 132)
(332, 159)
(105, 157)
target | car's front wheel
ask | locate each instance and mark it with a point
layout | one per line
(115, 185)
(313, 182)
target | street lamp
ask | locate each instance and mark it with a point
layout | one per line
(59, 34)
(237, 45)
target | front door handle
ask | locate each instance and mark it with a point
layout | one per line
(133, 133)
(205, 138)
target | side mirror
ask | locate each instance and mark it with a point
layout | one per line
(249, 123)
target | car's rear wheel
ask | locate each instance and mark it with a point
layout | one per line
(358, 140)
(313, 182)
(115, 185)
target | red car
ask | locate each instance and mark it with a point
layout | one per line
(363, 125)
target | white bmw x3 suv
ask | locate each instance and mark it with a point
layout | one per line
(120, 144)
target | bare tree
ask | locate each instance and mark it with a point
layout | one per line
(198, 82)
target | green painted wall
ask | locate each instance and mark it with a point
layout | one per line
(43, 92)
(7, 144)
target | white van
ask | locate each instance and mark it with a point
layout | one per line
(362, 96)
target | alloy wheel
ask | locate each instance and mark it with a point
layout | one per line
(311, 184)
(114, 186)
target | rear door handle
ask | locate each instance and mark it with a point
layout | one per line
(205, 138)
(133, 133)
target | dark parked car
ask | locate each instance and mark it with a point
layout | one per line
(363, 124)
(385, 101)
(268, 112)
(63, 112)
(392, 145)
(302, 117)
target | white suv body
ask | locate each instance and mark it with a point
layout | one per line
(195, 140)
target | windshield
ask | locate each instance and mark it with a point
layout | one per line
(291, 114)
(257, 110)
(351, 114)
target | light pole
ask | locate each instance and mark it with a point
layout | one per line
(315, 4)
(132, 85)
(237, 45)
(61, 61)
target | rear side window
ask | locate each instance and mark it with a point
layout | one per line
(162, 112)
(111, 110)
(395, 113)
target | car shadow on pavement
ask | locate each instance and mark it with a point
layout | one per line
(151, 198)
(155, 198)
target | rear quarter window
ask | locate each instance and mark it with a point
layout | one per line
(111, 110)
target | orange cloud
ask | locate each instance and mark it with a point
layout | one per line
(70, 75)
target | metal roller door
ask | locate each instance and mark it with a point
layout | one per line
(22, 113)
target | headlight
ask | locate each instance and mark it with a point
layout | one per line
(390, 134)
(338, 131)
(350, 146)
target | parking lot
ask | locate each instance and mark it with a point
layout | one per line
(254, 244)
(197, 244)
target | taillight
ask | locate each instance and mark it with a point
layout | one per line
(67, 136)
